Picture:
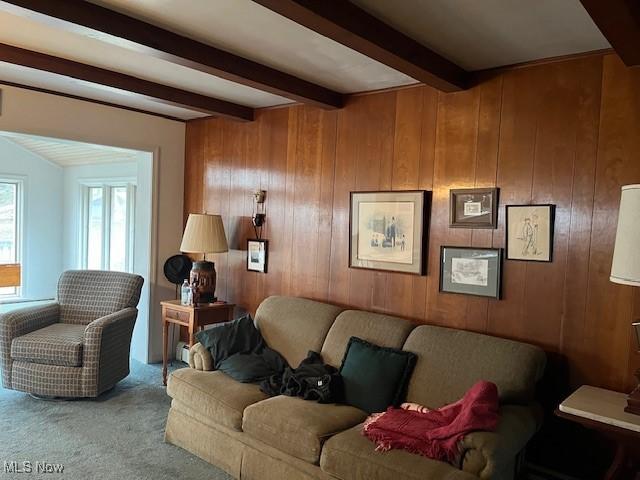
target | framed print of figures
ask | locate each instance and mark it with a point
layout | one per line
(473, 208)
(388, 230)
(257, 255)
(471, 271)
(530, 232)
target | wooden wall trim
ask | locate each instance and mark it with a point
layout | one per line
(619, 22)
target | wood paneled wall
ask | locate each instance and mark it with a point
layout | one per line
(566, 133)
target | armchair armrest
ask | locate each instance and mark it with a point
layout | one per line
(493, 454)
(200, 358)
(20, 322)
(107, 342)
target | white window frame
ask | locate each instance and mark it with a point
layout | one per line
(106, 185)
(20, 207)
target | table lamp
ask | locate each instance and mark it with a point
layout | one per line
(204, 234)
(625, 268)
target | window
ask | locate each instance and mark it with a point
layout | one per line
(107, 226)
(10, 215)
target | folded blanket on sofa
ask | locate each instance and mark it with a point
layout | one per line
(435, 433)
(312, 380)
(238, 349)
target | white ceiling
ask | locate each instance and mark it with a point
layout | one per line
(480, 34)
(71, 86)
(67, 153)
(475, 34)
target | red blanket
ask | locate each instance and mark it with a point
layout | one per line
(435, 433)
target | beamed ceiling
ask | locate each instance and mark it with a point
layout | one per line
(187, 59)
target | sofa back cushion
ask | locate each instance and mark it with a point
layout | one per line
(450, 361)
(381, 330)
(293, 326)
(85, 295)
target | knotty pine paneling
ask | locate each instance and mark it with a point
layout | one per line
(563, 133)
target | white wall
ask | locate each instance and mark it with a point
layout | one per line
(48, 115)
(141, 171)
(42, 216)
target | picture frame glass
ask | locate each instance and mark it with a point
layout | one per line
(257, 255)
(473, 207)
(471, 271)
(529, 232)
(388, 230)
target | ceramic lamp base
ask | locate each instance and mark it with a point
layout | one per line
(203, 274)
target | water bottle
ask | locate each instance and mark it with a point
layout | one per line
(185, 293)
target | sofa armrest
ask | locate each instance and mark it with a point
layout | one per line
(493, 454)
(200, 358)
(107, 343)
(20, 322)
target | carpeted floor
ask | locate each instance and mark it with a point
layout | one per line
(117, 436)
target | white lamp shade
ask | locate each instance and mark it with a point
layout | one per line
(626, 254)
(204, 234)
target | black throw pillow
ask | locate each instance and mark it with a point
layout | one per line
(230, 338)
(374, 377)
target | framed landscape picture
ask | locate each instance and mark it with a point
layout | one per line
(473, 208)
(257, 255)
(529, 232)
(388, 230)
(471, 271)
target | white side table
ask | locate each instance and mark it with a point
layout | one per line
(603, 410)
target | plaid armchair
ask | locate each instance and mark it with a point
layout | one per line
(77, 347)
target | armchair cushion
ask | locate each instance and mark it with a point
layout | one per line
(57, 344)
(20, 322)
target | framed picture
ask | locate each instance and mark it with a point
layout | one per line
(530, 232)
(473, 208)
(388, 230)
(471, 271)
(257, 255)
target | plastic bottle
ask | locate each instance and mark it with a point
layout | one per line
(185, 293)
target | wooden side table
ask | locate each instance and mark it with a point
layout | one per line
(603, 410)
(194, 318)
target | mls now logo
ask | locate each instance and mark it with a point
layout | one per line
(30, 467)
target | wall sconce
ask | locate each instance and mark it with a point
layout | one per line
(259, 212)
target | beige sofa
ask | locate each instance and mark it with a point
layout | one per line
(238, 428)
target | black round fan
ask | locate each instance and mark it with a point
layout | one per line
(177, 268)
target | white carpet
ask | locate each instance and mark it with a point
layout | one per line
(117, 436)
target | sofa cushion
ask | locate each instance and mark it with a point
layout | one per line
(58, 344)
(294, 326)
(378, 329)
(214, 394)
(296, 426)
(450, 361)
(374, 377)
(351, 456)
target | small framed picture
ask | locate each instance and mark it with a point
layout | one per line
(388, 230)
(473, 208)
(529, 232)
(471, 271)
(257, 255)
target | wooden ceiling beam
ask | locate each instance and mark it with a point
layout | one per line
(348, 24)
(619, 22)
(85, 18)
(132, 85)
